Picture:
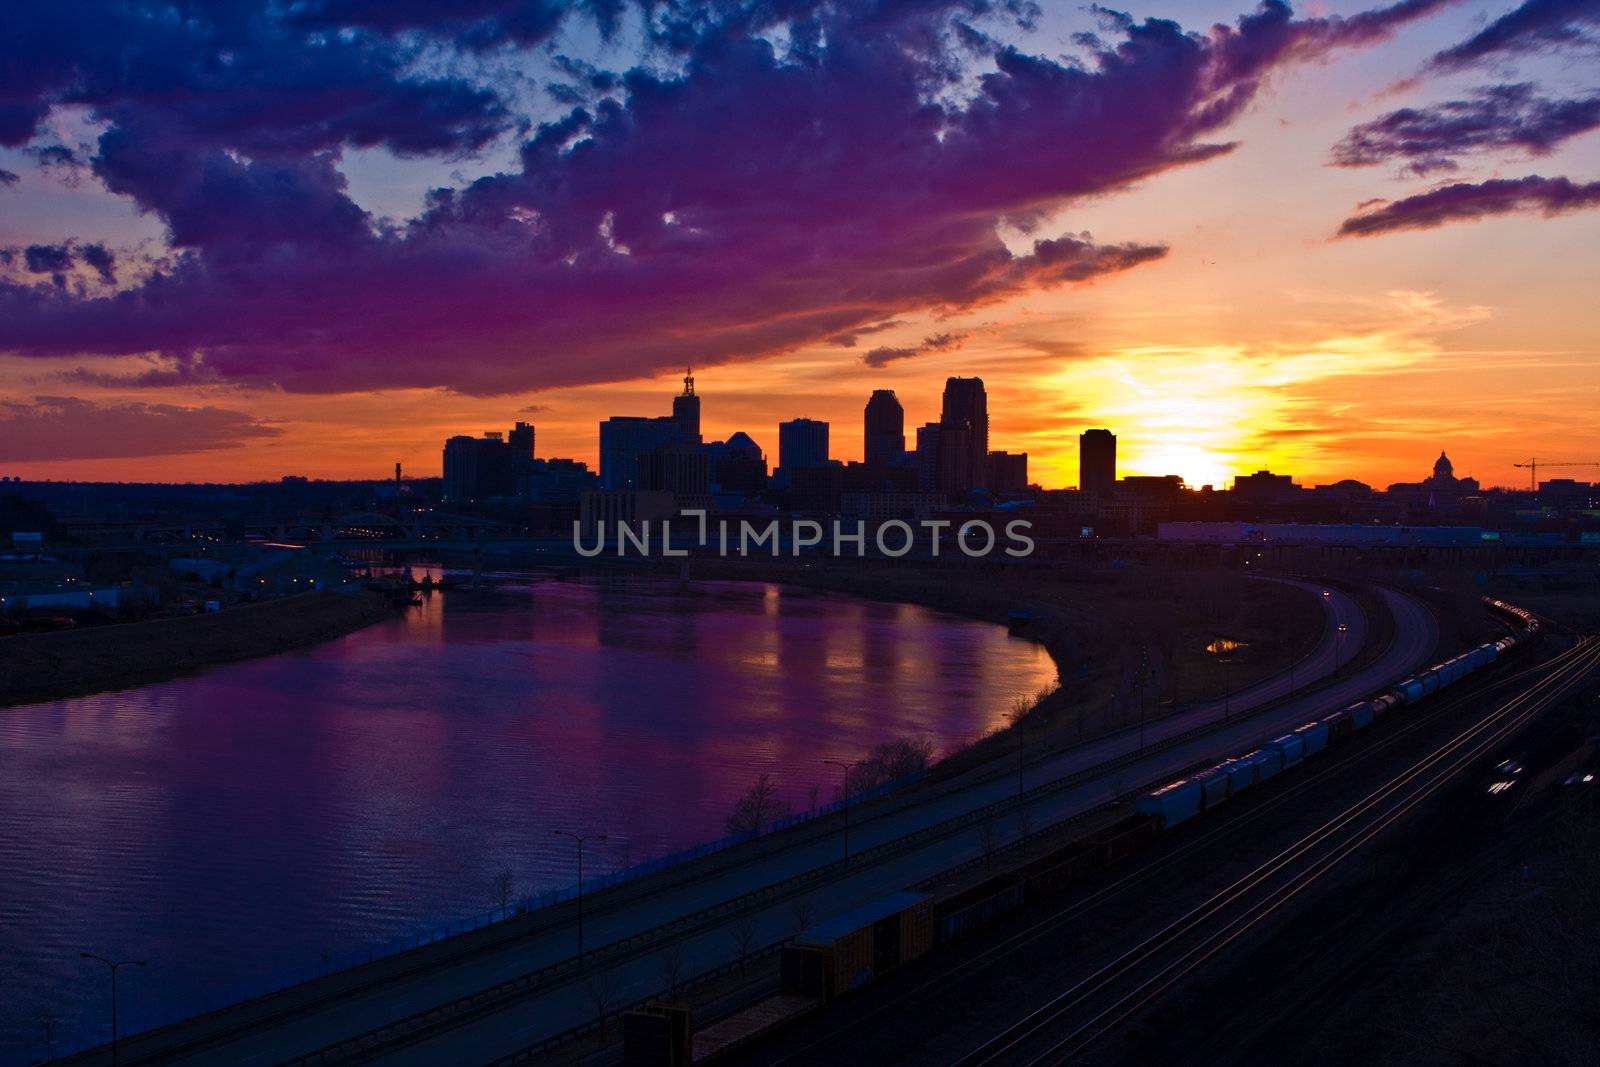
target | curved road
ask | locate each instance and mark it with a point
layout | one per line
(527, 1018)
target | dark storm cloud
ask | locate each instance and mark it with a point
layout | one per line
(1466, 201)
(741, 203)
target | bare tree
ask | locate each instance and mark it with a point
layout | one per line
(759, 807)
(893, 760)
(804, 910)
(601, 990)
(744, 939)
(503, 885)
(670, 964)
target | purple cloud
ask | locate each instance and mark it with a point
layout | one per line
(749, 202)
(939, 342)
(1465, 201)
(102, 260)
(1497, 117)
(1533, 26)
(66, 427)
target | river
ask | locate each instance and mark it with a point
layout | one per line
(275, 816)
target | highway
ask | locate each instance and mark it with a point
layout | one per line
(494, 1001)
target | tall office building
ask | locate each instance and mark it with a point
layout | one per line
(802, 443)
(624, 438)
(682, 470)
(966, 407)
(944, 458)
(885, 435)
(686, 410)
(1097, 461)
(460, 468)
(520, 441)
(476, 468)
(737, 465)
(1008, 472)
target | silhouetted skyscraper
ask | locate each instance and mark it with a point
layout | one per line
(1097, 461)
(966, 407)
(476, 468)
(944, 458)
(885, 429)
(624, 438)
(802, 443)
(1008, 472)
(520, 440)
(460, 468)
(686, 410)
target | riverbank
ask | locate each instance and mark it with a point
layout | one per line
(69, 663)
(1104, 628)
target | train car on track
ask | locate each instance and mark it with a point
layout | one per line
(1056, 872)
(1315, 736)
(1173, 803)
(1124, 838)
(851, 949)
(1291, 749)
(976, 906)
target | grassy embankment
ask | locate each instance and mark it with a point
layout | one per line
(1103, 627)
(51, 666)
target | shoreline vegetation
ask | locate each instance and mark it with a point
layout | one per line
(41, 667)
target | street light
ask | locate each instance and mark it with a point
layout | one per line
(845, 767)
(580, 839)
(113, 965)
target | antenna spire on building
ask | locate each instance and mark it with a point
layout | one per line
(688, 381)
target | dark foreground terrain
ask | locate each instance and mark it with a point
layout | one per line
(1463, 932)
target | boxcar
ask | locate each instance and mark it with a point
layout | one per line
(1173, 803)
(977, 906)
(1213, 786)
(1315, 736)
(1123, 838)
(1268, 761)
(1291, 747)
(1361, 715)
(1241, 773)
(849, 950)
(1340, 725)
(1052, 874)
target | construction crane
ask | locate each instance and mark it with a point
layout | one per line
(1533, 465)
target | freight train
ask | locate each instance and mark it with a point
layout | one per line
(857, 947)
(1179, 801)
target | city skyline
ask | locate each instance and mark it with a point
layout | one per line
(1290, 285)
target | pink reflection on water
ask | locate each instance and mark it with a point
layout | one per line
(263, 812)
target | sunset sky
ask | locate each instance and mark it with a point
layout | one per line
(240, 240)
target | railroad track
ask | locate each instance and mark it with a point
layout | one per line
(1394, 733)
(1061, 1030)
